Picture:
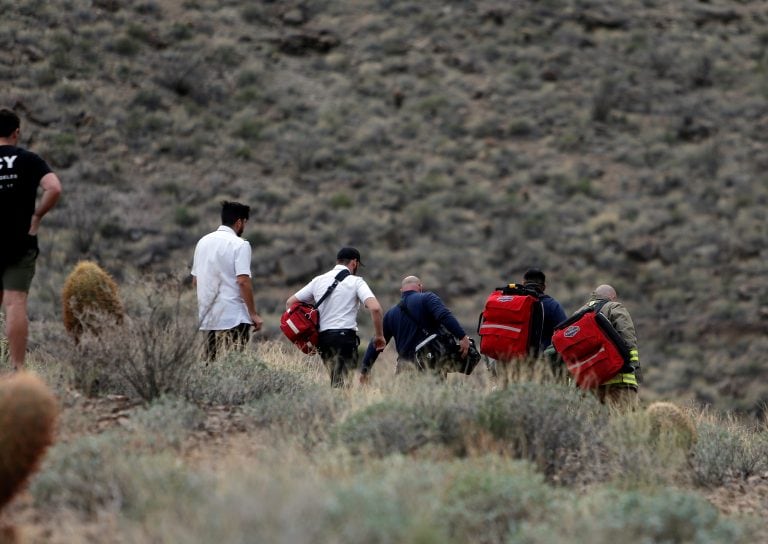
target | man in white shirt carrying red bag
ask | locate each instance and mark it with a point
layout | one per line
(338, 340)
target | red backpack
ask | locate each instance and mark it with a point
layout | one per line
(301, 322)
(511, 323)
(591, 348)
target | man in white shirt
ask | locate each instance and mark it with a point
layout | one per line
(338, 315)
(221, 273)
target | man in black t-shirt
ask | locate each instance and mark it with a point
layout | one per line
(21, 173)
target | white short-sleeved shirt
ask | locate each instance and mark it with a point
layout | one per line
(220, 257)
(339, 310)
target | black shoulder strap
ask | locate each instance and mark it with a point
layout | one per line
(578, 315)
(339, 278)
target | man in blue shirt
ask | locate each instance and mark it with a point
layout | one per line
(426, 312)
(553, 310)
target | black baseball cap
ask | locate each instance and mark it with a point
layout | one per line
(349, 253)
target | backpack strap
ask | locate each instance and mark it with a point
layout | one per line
(612, 333)
(338, 279)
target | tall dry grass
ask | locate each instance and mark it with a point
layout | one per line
(405, 459)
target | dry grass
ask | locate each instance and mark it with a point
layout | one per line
(309, 463)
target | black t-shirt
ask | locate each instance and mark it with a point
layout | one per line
(20, 175)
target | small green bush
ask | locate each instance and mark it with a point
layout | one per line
(341, 201)
(385, 428)
(485, 501)
(728, 450)
(96, 473)
(150, 355)
(167, 422)
(240, 378)
(542, 423)
(609, 516)
(308, 416)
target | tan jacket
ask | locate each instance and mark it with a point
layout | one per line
(619, 317)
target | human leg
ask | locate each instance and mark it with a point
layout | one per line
(210, 346)
(620, 397)
(16, 326)
(338, 350)
(15, 282)
(240, 335)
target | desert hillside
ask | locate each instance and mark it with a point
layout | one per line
(620, 142)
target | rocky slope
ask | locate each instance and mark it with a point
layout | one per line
(619, 142)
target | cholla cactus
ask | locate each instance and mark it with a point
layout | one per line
(28, 414)
(89, 296)
(670, 422)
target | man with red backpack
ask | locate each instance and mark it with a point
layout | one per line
(621, 390)
(553, 310)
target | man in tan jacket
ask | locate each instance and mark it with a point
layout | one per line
(621, 390)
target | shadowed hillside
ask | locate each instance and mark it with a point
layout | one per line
(619, 142)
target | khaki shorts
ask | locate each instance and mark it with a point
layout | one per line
(18, 276)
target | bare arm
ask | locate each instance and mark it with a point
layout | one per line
(51, 192)
(246, 292)
(378, 322)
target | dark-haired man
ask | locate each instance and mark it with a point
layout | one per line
(21, 173)
(553, 310)
(338, 314)
(221, 273)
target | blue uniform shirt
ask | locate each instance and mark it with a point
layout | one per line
(429, 313)
(553, 314)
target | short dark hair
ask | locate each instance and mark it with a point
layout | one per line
(9, 122)
(232, 211)
(534, 275)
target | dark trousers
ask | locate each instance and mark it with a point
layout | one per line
(338, 350)
(235, 338)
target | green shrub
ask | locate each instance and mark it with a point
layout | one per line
(385, 428)
(341, 201)
(542, 423)
(606, 517)
(308, 416)
(94, 473)
(62, 150)
(485, 501)
(184, 217)
(249, 130)
(148, 356)
(636, 452)
(67, 93)
(126, 46)
(728, 450)
(167, 422)
(240, 378)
